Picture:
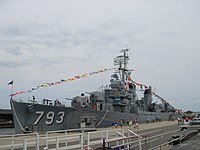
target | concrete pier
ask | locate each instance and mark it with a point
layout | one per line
(56, 140)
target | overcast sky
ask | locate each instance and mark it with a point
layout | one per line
(48, 40)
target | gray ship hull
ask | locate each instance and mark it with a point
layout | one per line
(30, 117)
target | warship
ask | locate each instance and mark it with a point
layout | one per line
(114, 102)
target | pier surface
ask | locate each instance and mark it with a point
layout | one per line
(147, 130)
(190, 144)
(149, 126)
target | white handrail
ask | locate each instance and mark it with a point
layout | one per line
(72, 141)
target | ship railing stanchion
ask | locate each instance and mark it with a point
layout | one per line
(123, 136)
(106, 135)
(47, 139)
(37, 141)
(160, 142)
(12, 142)
(88, 141)
(117, 137)
(162, 134)
(103, 134)
(81, 140)
(129, 141)
(145, 141)
(57, 143)
(65, 138)
(140, 143)
(25, 145)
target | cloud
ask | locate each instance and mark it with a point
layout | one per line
(11, 31)
(13, 50)
(197, 101)
(13, 64)
(169, 35)
(47, 45)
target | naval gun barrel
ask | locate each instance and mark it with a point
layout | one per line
(69, 99)
(88, 93)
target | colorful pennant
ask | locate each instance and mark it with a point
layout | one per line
(145, 86)
(61, 81)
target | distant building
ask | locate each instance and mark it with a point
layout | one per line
(6, 118)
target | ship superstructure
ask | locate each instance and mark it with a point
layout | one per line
(114, 102)
(120, 95)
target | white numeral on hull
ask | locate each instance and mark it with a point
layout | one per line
(40, 113)
(61, 115)
(50, 116)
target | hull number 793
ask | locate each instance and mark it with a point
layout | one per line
(50, 116)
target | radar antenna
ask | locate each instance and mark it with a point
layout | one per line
(122, 62)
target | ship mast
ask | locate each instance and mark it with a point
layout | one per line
(122, 62)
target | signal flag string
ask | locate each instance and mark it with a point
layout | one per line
(145, 86)
(45, 85)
